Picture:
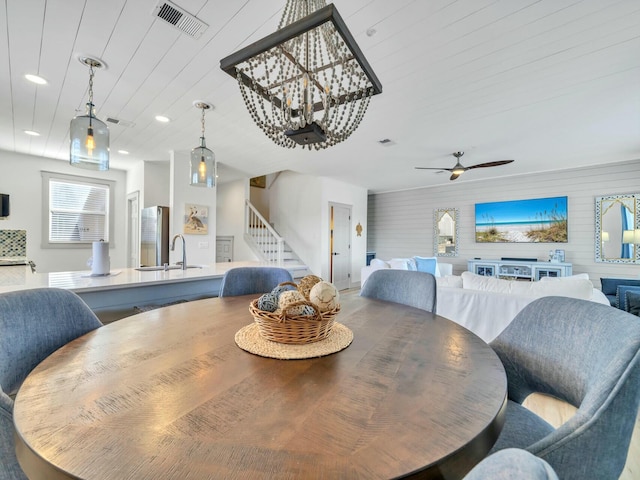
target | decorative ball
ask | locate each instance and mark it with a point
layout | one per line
(289, 297)
(281, 288)
(324, 295)
(268, 302)
(306, 283)
(308, 310)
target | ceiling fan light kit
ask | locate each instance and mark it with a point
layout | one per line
(308, 83)
(459, 169)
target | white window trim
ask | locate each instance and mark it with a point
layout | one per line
(46, 177)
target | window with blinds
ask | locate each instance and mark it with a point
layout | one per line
(78, 209)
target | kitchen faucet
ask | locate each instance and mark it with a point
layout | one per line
(184, 249)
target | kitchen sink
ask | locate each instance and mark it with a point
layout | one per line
(159, 268)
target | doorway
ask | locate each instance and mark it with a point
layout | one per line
(340, 245)
(133, 230)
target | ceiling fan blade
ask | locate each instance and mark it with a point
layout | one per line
(490, 164)
(434, 168)
(455, 175)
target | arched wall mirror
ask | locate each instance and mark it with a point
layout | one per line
(618, 229)
(445, 232)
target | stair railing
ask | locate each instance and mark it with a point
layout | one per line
(265, 239)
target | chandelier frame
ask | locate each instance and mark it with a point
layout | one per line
(310, 132)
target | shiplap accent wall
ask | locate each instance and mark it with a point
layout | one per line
(400, 224)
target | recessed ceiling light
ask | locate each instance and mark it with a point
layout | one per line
(162, 118)
(33, 133)
(123, 152)
(35, 79)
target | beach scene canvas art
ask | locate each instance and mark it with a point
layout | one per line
(541, 220)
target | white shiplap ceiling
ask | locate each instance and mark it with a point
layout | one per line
(553, 84)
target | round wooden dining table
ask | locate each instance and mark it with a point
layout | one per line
(167, 394)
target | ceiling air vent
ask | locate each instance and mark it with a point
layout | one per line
(122, 123)
(180, 19)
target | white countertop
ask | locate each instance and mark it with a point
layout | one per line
(14, 278)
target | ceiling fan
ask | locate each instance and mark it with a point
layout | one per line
(459, 169)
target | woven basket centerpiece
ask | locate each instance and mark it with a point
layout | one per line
(298, 319)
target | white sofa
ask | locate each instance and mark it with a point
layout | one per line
(486, 305)
(442, 269)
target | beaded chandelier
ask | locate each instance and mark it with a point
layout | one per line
(308, 83)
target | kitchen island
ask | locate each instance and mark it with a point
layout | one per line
(114, 296)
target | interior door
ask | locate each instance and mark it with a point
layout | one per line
(340, 245)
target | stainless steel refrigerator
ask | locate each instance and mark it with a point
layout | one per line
(154, 236)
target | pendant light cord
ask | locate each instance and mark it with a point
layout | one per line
(90, 93)
(202, 121)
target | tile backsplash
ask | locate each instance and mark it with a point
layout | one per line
(13, 243)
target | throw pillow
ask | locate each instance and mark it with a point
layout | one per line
(633, 302)
(399, 263)
(426, 264)
(577, 276)
(577, 288)
(474, 281)
(621, 295)
(376, 263)
(449, 281)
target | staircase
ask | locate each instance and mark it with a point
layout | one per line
(268, 245)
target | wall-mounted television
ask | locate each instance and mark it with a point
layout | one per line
(4, 205)
(542, 220)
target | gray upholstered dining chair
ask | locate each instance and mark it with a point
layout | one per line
(588, 355)
(246, 280)
(33, 324)
(416, 289)
(510, 464)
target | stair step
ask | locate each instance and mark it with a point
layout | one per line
(266, 245)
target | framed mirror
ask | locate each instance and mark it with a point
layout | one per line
(445, 232)
(618, 229)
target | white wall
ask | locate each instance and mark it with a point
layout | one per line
(259, 198)
(135, 180)
(230, 217)
(339, 192)
(156, 184)
(201, 249)
(401, 223)
(20, 178)
(299, 209)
